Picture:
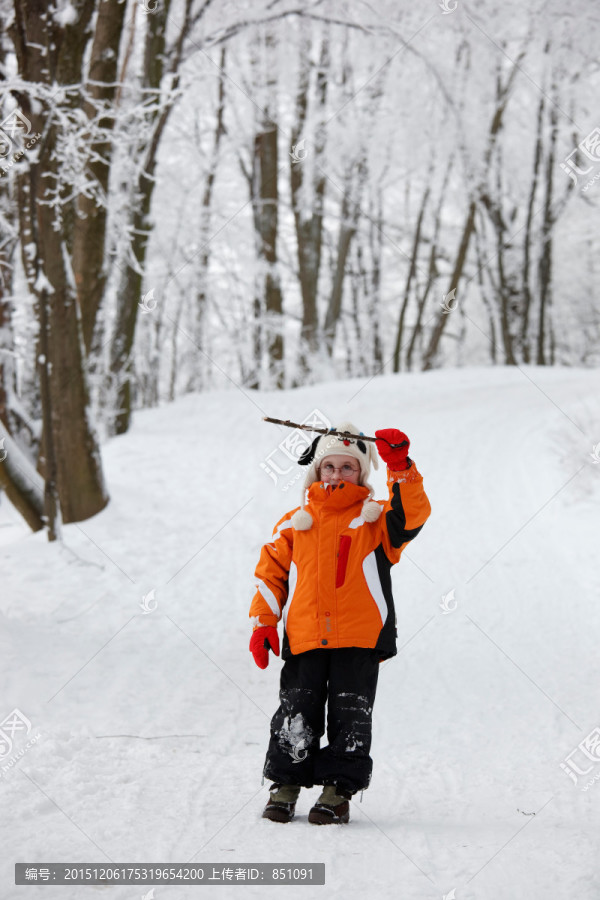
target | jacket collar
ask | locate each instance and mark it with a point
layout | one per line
(321, 495)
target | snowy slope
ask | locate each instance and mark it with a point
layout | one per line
(153, 724)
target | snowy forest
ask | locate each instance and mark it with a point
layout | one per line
(201, 194)
(374, 212)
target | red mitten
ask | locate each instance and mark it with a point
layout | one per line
(262, 639)
(388, 445)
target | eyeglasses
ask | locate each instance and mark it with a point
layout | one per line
(346, 471)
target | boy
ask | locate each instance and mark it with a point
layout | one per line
(327, 571)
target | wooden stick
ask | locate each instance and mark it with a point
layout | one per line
(358, 437)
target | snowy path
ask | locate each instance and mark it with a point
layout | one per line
(154, 724)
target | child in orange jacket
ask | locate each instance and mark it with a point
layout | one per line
(326, 571)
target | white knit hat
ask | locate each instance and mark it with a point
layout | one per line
(335, 444)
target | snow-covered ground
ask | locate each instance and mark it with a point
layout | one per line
(153, 719)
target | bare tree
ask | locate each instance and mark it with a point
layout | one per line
(409, 278)
(198, 378)
(50, 58)
(503, 93)
(89, 237)
(308, 199)
(268, 300)
(129, 291)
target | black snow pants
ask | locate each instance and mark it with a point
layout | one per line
(345, 679)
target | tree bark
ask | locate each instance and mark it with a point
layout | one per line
(502, 96)
(23, 486)
(537, 159)
(411, 273)
(485, 300)
(130, 287)
(374, 288)
(504, 290)
(308, 213)
(198, 381)
(8, 240)
(544, 332)
(461, 256)
(50, 462)
(266, 199)
(51, 54)
(90, 235)
(346, 232)
(268, 300)
(18, 478)
(349, 213)
(432, 270)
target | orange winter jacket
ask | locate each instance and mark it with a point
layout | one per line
(332, 582)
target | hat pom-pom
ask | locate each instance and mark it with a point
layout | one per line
(371, 511)
(301, 520)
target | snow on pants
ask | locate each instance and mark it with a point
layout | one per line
(345, 679)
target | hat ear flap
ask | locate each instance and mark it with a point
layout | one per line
(373, 455)
(309, 454)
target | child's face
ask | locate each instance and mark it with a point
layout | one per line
(337, 468)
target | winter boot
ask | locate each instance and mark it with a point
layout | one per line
(332, 807)
(282, 802)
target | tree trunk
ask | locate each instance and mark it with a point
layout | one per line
(502, 96)
(525, 320)
(50, 465)
(308, 213)
(18, 478)
(128, 296)
(461, 256)
(374, 290)
(411, 273)
(481, 268)
(504, 290)
(78, 473)
(23, 486)
(129, 292)
(345, 235)
(90, 235)
(8, 240)
(349, 212)
(198, 381)
(266, 201)
(268, 304)
(545, 262)
(432, 270)
(48, 54)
